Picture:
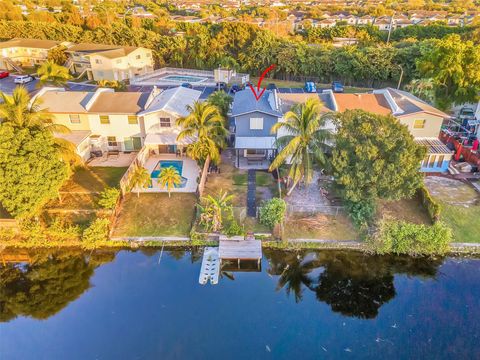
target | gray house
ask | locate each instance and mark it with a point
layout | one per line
(254, 142)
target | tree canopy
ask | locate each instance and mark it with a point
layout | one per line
(31, 169)
(453, 66)
(375, 157)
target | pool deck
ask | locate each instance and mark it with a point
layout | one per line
(190, 171)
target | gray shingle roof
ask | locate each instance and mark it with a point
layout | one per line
(244, 102)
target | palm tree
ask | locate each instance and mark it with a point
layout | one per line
(222, 101)
(140, 179)
(206, 124)
(306, 141)
(21, 111)
(213, 209)
(169, 178)
(51, 73)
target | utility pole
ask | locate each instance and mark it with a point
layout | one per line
(401, 76)
(390, 27)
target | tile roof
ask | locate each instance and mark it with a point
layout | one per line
(119, 103)
(174, 101)
(244, 102)
(375, 103)
(29, 43)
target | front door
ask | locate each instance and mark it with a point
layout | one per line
(137, 143)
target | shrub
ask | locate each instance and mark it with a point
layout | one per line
(431, 205)
(233, 228)
(362, 213)
(96, 233)
(108, 198)
(400, 237)
(61, 231)
(272, 212)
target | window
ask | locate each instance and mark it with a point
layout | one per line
(165, 122)
(419, 124)
(98, 61)
(112, 141)
(104, 119)
(440, 161)
(256, 123)
(255, 152)
(74, 119)
(431, 161)
(119, 61)
(132, 119)
(138, 57)
(148, 54)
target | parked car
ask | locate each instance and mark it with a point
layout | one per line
(4, 74)
(310, 87)
(466, 113)
(221, 86)
(187, 85)
(23, 79)
(234, 88)
(337, 87)
(272, 86)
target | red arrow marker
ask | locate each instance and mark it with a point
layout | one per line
(258, 94)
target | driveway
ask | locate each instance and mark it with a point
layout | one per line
(7, 85)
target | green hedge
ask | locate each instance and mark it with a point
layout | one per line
(400, 237)
(431, 205)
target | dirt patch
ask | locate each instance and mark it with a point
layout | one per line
(450, 191)
(409, 210)
(320, 226)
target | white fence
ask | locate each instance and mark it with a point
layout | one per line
(155, 77)
(314, 209)
(140, 160)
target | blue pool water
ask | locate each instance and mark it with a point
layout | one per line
(184, 78)
(177, 164)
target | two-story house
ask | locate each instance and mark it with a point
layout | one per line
(24, 52)
(109, 62)
(105, 120)
(253, 120)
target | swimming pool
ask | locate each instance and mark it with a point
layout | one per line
(176, 164)
(184, 78)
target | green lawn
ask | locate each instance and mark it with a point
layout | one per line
(155, 214)
(463, 221)
(262, 178)
(320, 226)
(460, 207)
(94, 179)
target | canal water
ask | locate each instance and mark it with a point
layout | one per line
(300, 305)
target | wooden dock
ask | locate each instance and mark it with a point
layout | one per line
(239, 249)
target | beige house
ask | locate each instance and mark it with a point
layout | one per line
(17, 53)
(109, 62)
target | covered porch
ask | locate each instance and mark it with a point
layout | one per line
(438, 155)
(254, 153)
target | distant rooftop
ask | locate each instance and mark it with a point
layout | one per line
(119, 103)
(29, 43)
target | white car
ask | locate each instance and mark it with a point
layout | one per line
(23, 79)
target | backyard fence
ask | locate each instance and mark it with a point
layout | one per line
(140, 160)
(315, 209)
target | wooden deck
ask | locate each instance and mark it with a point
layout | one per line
(240, 250)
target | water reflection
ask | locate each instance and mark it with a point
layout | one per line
(39, 284)
(351, 283)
